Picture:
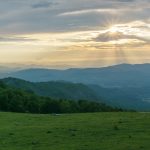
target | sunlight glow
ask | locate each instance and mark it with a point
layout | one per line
(109, 45)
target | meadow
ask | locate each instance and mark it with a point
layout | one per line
(84, 131)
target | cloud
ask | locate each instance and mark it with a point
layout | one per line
(108, 36)
(86, 11)
(137, 30)
(66, 16)
(16, 39)
(84, 28)
(44, 4)
(126, 1)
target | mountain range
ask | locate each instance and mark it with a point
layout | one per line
(125, 85)
(123, 75)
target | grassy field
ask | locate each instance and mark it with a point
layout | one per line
(97, 131)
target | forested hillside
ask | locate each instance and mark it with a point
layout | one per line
(136, 98)
(16, 100)
(54, 89)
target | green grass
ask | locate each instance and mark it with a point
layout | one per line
(91, 131)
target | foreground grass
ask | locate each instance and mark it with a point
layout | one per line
(97, 131)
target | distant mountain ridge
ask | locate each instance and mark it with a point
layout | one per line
(123, 75)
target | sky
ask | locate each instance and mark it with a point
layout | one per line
(74, 33)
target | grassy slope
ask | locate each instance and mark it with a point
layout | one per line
(97, 131)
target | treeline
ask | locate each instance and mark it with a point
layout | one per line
(15, 100)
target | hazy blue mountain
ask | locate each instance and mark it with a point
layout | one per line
(123, 75)
(4, 71)
(137, 98)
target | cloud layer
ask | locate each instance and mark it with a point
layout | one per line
(75, 32)
(63, 15)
